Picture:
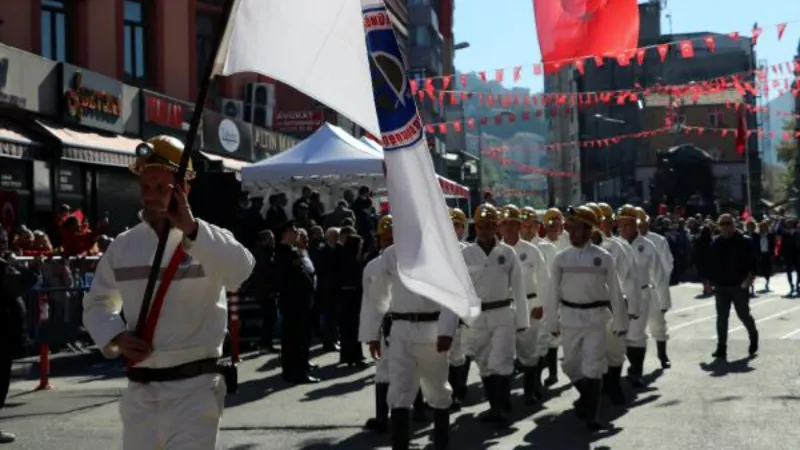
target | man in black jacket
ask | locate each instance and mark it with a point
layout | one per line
(12, 319)
(732, 271)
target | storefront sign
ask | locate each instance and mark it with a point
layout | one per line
(297, 121)
(14, 175)
(29, 82)
(166, 112)
(229, 136)
(92, 100)
(268, 143)
(226, 136)
(69, 179)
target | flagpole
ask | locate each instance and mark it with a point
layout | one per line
(194, 126)
(748, 181)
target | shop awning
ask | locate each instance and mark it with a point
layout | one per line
(94, 148)
(230, 164)
(15, 142)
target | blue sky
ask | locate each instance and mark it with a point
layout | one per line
(502, 33)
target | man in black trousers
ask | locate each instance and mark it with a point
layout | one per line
(732, 271)
(12, 319)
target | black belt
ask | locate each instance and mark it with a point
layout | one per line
(387, 327)
(416, 317)
(488, 306)
(530, 296)
(647, 286)
(193, 369)
(592, 305)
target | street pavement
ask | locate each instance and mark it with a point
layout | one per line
(697, 404)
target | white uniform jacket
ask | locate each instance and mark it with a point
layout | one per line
(625, 271)
(535, 272)
(582, 276)
(387, 284)
(194, 315)
(373, 308)
(549, 251)
(664, 252)
(650, 269)
(498, 276)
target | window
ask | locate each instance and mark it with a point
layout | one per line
(134, 42)
(54, 30)
(420, 37)
(206, 34)
(713, 119)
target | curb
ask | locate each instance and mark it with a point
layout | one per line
(60, 363)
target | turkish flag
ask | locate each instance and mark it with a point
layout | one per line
(569, 29)
(741, 133)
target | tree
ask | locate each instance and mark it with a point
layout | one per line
(787, 151)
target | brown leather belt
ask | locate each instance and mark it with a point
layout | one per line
(192, 369)
(488, 306)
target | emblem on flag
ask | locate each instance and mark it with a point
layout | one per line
(399, 122)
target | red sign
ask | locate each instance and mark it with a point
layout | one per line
(163, 112)
(297, 121)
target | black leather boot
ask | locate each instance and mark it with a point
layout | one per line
(419, 408)
(592, 388)
(401, 429)
(580, 403)
(505, 389)
(612, 387)
(531, 392)
(380, 423)
(636, 369)
(552, 367)
(441, 429)
(453, 377)
(463, 380)
(662, 354)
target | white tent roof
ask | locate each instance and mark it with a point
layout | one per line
(329, 151)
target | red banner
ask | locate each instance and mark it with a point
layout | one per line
(297, 121)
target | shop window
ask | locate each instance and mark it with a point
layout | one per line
(206, 33)
(134, 42)
(54, 30)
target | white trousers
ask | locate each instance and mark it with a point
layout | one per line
(637, 328)
(493, 347)
(173, 415)
(616, 347)
(458, 354)
(528, 350)
(415, 365)
(657, 323)
(584, 352)
(382, 365)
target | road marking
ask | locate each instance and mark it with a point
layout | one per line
(691, 308)
(772, 316)
(703, 319)
(787, 336)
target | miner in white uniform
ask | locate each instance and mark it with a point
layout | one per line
(176, 392)
(585, 287)
(372, 315)
(498, 280)
(529, 231)
(537, 278)
(460, 355)
(421, 336)
(657, 322)
(627, 276)
(649, 269)
(556, 235)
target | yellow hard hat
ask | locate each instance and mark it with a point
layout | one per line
(582, 214)
(596, 210)
(641, 214)
(385, 225)
(511, 213)
(605, 208)
(486, 212)
(628, 212)
(458, 216)
(160, 151)
(553, 215)
(528, 214)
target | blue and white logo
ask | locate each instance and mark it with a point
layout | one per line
(400, 124)
(186, 261)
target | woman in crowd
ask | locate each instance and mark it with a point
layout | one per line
(766, 252)
(702, 257)
(350, 270)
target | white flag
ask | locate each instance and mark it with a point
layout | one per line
(315, 46)
(428, 254)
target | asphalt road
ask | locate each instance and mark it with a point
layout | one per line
(698, 404)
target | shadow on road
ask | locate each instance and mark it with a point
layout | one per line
(60, 413)
(338, 389)
(721, 368)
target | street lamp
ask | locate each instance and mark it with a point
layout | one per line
(461, 46)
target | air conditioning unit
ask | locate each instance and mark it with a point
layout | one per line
(259, 104)
(232, 108)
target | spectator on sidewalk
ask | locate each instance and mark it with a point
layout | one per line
(12, 329)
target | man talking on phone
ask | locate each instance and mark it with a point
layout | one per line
(176, 387)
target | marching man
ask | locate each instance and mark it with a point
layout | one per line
(421, 336)
(657, 321)
(649, 270)
(529, 231)
(460, 357)
(175, 393)
(585, 287)
(537, 276)
(557, 236)
(498, 279)
(374, 314)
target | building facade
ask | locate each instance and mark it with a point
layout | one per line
(563, 129)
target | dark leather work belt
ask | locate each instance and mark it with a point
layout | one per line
(530, 296)
(488, 306)
(416, 317)
(592, 305)
(193, 369)
(647, 286)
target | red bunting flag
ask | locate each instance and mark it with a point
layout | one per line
(687, 49)
(446, 82)
(598, 61)
(498, 75)
(640, 54)
(537, 69)
(579, 66)
(579, 28)
(756, 34)
(482, 76)
(663, 49)
(741, 133)
(517, 73)
(623, 59)
(710, 43)
(781, 29)
(463, 80)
